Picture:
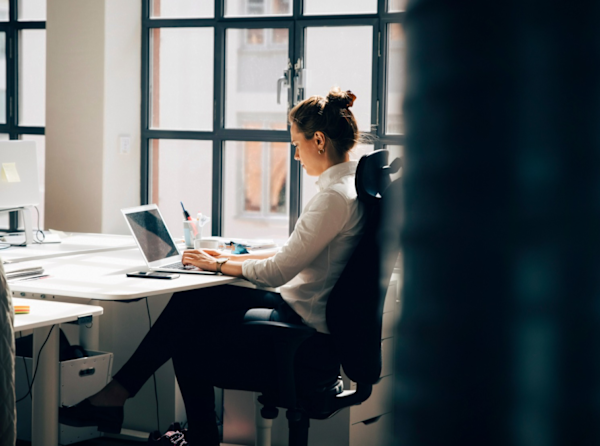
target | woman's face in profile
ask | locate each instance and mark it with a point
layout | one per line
(307, 152)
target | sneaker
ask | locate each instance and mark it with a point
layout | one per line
(174, 436)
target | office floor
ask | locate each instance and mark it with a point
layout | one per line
(102, 441)
(95, 442)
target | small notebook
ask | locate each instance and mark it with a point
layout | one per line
(14, 271)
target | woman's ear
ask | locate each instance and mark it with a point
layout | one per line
(320, 140)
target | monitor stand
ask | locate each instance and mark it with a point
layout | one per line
(25, 212)
(27, 224)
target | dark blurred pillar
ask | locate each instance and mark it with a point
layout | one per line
(499, 341)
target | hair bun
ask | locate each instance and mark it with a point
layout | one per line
(341, 99)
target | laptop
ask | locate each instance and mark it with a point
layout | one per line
(155, 241)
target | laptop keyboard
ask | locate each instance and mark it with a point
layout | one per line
(178, 265)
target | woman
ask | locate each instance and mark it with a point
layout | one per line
(206, 325)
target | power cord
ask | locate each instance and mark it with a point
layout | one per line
(39, 234)
(29, 383)
(154, 374)
(37, 363)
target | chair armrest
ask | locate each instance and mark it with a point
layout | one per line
(283, 329)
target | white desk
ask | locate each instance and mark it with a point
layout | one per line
(101, 276)
(72, 244)
(42, 317)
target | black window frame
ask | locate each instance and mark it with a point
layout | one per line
(12, 29)
(296, 22)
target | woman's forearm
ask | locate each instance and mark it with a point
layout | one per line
(232, 268)
(255, 256)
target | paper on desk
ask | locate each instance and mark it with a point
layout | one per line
(10, 173)
(57, 234)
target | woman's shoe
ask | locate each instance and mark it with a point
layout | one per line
(109, 419)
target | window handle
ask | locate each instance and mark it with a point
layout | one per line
(284, 80)
(299, 80)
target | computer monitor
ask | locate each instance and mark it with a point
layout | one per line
(19, 185)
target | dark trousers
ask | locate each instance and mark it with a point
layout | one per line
(201, 330)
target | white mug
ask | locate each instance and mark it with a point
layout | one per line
(206, 244)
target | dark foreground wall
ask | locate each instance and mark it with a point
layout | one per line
(499, 342)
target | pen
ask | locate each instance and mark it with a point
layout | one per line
(34, 278)
(186, 215)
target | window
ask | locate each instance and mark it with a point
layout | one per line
(23, 83)
(218, 82)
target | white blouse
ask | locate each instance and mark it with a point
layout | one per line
(312, 259)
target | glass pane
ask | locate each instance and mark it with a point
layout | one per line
(32, 10)
(255, 59)
(395, 77)
(32, 77)
(256, 189)
(329, 51)
(240, 8)
(40, 145)
(182, 8)
(309, 184)
(181, 78)
(315, 7)
(3, 78)
(397, 5)
(4, 9)
(4, 216)
(181, 170)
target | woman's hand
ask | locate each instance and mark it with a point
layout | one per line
(220, 254)
(214, 253)
(201, 259)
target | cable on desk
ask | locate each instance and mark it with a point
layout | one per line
(154, 374)
(37, 363)
(29, 383)
(37, 237)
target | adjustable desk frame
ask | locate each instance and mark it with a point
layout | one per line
(44, 395)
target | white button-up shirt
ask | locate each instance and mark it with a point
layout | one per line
(312, 259)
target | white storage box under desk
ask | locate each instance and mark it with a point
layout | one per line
(79, 378)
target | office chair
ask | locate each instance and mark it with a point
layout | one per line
(354, 317)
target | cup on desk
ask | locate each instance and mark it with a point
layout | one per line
(206, 244)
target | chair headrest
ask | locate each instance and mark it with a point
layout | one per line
(373, 175)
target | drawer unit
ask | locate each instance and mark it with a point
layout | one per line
(379, 403)
(374, 432)
(79, 378)
(387, 357)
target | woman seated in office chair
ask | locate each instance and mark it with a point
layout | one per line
(200, 329)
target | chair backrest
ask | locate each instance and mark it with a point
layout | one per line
(355, 305)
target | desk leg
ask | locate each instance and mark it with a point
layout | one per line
(89, 335)
(44, 412)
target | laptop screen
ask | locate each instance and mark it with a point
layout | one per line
(152, 235)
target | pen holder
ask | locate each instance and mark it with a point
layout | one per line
(188, 234)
